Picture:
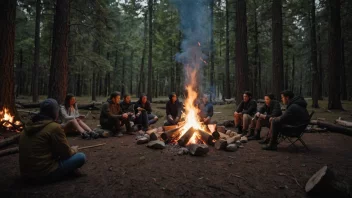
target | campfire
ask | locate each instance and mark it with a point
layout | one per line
(8, 123)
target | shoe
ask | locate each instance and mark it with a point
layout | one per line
(251, 133)
(93, 134)
(270, 147)
(239, 129)
(256, 135)
(85, 136)
(264, 141)
(244, 133)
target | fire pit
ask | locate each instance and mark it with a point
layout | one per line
(7, 122)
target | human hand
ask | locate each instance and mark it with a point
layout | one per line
(81, 116)
(125, 115)
(257, 114)
(140, 109)
(271, 119)
(262, 116)
(74, 148)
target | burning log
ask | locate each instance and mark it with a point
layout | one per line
(9, 151)
(186, 137)
(206, 137)
(168, 128)
(10, 140)
(212, 127)
(216, 135)
(168, 135)
(324, 182)
(332, 127)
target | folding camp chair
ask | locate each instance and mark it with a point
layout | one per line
(292, 134)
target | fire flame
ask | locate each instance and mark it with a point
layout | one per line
(191, 111)
(6, 118)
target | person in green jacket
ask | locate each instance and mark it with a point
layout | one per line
(44, 152)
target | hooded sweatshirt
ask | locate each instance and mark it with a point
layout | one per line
(42, 145)
(145, 106)
(110, 110)
(127, 107)
(173, 109)
(296, 112)
(273, 110)
(249, 107)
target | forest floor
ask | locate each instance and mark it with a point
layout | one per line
(121, 168)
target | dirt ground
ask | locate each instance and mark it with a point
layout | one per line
(121, 168)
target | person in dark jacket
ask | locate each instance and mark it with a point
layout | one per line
(173, 110)
(143, 111)
(44, 152)
(261, 119)
(296, 114)
(128, 107)
(111, 116)
(206, 110)
(245, 112)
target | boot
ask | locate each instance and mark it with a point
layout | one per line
(244, 133)
(272, 146)
(264, 141)
(239, 128)
(250, 134)
(256, 135)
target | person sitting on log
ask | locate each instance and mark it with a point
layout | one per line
(173, 110)
(245, 112)
(128, 107)
(261, 119)
(44, 152)
(206, 110)
(143, 111)
(112, 118)
(73, 121)
(296, 114)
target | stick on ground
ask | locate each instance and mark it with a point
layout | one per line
(86, 147)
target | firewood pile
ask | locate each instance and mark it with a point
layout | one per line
(212, 135)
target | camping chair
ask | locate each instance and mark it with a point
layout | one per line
(292, 134)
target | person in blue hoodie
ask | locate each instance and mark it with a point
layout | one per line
(296, 114)
(173, 110)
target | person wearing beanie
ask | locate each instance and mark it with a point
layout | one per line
(44, 152)
(173, 110)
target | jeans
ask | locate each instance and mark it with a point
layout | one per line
(146, 119)
(67, 167)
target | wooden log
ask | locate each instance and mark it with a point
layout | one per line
(223, 136)
(212, 127)
(332, 127)
(343, 123)
(233, 139)
(9, 151)
(168, 128)
(169, 135)
(221, 129)
(206, 137)
(91, 106)
(324, 183)
(186, 137)
(153, 135)
(10, 140)
(216, 135)
(220, 144)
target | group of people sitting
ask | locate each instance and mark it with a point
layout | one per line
(249, 121)
(45, 154)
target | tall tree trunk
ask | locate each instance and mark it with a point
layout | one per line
(227, 54)
(107, 78)
(320, 66)
(150, 56)
(141, 72)
(343, 73)
(212, 86)
(21, 78)
(59, 67)
(131, 72)
(277, 52)
(94, 87)
(293, 80)
(123, 85)
(241, 50)
(334, 55)
(115, 69)
(7, 52)
(256, 81)
(35, 75)
(313, 45)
